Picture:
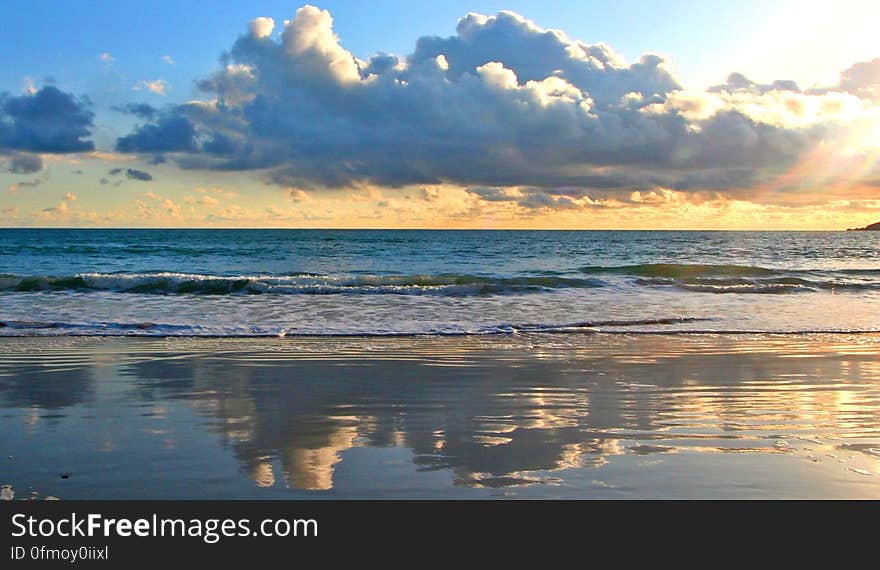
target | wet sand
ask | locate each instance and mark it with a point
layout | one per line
(520, 416)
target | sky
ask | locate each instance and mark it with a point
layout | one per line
(459, 114)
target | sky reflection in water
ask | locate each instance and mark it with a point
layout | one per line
(578, 416)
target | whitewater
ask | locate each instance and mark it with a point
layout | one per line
(400, 282)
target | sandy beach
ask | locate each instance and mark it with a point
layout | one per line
(502, 416)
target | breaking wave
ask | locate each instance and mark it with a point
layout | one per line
(743, 279)
(698, 278)
(104, 328)
(299, 283)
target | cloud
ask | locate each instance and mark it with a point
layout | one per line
(862, 79)
(130, 173)
(13, 188)
(168, 59)
(48, 121)
(739, 83)
(106, 58)
(158, 205)
(262, 27)
(156, 86)
(541, 200)
(142, 111)
(133, 174)
(297, 195)
(494, 194)
(503, 103)
(60, 209)
(23, 163)
(171, 132)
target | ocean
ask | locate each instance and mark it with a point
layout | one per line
(181, 282)
(439, 364)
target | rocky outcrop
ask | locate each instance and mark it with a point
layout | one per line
(871, 228)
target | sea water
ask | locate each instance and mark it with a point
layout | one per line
(182, 282)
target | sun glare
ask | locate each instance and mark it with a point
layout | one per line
(872, 136)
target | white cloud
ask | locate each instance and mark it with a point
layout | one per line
(503, 103)
(157, 86)
(261, 27)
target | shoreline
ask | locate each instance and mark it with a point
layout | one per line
(498, 334)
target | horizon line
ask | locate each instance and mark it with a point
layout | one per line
(422, 229)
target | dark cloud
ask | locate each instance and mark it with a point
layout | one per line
(501, 103)
(22, 163)
(140, 110)
(170, 133)
(48, 120)
(133, 174)
(130, 173)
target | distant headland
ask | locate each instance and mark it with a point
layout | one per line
(871, 228)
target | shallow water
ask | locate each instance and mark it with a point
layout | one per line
(337, 282)
(511, 416)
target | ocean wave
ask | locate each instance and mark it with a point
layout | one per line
(299, 283)
(104, 328)
(668, 326)
(675, 270)
(774, 285)
(743, 279)
(684, 277)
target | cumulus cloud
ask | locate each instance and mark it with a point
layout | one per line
(262, 27)
(48, 120)
(156, 86)
(503, 103)
(23, 163)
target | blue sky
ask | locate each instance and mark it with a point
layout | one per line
(105, 55)
(61, 39)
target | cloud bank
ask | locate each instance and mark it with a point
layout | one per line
(502, 104)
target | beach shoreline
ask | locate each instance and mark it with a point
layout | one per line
(484, 416)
